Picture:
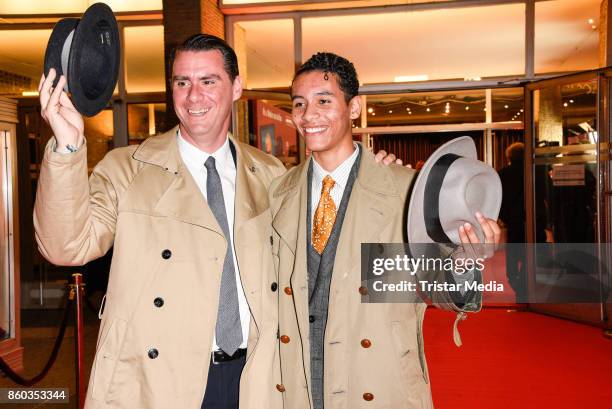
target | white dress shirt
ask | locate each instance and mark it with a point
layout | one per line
(194, 159)
(340, 175)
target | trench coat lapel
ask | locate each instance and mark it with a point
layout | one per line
(182, 198)
(369, 212)
(290, 224)
(251, 200)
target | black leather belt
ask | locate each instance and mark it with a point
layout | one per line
(220, 356)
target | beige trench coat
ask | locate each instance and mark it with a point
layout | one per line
(374, 356)
(168, 245)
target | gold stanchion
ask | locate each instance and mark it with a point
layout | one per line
(77, 288)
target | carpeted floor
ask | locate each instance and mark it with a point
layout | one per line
(517, 360)
(509, 360)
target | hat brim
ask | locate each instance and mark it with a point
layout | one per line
(416, 228)
(93, 66)
(53, 53)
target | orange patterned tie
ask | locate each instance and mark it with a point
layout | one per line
(324, 217)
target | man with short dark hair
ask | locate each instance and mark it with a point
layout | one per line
(192, 294)
(337, 352)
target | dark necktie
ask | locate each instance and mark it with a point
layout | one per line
(228, 329)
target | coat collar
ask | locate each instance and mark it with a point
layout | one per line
(373, 179)
(251, 194)
(160, 150)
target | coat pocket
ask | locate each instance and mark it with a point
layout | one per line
(406, 342)
(106, 358)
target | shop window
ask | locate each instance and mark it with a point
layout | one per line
(145, 120)
(265, 53)
(271, 129)
(507, 104)
(21, 64)
(566, 35)
(144, 59)
(71, 6)
(446, 107)
(457, 43)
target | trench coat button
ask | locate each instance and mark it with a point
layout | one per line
(166, 254)
(363, 290)
(280, 387)
(158, 302)
(285, 339)
(366, 343)
(271, 241)
(274, 287)
(153, 353)
(368, 396)
(311, 318)
(288, 290)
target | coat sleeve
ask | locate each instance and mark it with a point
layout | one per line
(445, 300)
(74, 219)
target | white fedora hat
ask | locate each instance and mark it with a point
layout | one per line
(450, 188)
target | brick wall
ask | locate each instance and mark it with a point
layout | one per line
(211, 18)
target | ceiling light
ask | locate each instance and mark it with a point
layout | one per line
(428, 110)
(467, 108)
(594, 27)
(411, 78)
(373, 113)
(571, 101)
(370, 110)
(591, 21)
(506, 106)
(390, 111)
(521, 109)
(565, 104)
(485, 109)
(409, 113)
(407, 109)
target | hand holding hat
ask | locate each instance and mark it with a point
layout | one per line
(60, 113)
(82, 58)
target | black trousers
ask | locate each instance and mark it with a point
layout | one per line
(223, 384)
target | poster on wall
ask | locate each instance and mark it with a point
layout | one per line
(276, 133)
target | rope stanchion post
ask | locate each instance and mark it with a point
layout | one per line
(76, 293)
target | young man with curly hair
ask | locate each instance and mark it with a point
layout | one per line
(335, 351)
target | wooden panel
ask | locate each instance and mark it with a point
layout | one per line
(8, 110)
(10, 349)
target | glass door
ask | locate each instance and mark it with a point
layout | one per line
(565, 151)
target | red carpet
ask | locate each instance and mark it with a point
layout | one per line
(517, 360)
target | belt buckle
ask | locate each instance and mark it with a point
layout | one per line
(213, 360)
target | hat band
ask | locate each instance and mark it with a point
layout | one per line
(65, 55)
(431, 202)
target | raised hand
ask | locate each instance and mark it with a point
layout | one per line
(386, 159)
(59, 112)
(470, 241)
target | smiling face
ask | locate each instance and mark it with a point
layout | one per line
(203, 94)
(322, 115)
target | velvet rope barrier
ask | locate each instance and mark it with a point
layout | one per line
(15, 377)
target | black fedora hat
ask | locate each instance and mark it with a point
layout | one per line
(87, 52)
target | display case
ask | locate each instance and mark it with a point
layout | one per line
(11, 350)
